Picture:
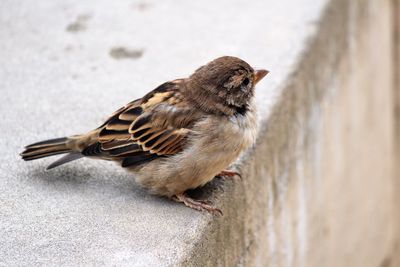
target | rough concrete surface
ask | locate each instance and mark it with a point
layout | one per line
(320, 187)
(396, 98)
(309, 185)
(57, 78)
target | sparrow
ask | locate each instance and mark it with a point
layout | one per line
(178, 136)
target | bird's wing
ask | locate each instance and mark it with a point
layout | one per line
(156, 125)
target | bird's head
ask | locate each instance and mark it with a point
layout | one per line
(224, 85)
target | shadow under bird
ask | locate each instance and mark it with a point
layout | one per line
(178, 136)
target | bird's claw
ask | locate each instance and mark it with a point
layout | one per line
(229, 174)
(200, 205)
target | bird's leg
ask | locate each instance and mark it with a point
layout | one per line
(230, 174)
(201, 205)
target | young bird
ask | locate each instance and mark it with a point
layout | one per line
(178, 136)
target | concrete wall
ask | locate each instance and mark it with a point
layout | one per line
(321, 187)
(396, 99)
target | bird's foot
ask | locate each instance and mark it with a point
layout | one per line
(230, 174)
(201, 205)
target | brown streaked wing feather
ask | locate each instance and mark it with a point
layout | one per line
(109, 135)
(126, 150)
(157, 125)
(113, 144)
(173, 144)
(138, 159)
(160, 133)
(116, 126)
(131, 113)
(94, 150)
(119, 111)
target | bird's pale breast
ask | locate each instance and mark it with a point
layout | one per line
(215, 143)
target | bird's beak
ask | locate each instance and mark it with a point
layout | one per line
(259, 74)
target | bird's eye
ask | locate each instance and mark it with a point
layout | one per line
(246, 82)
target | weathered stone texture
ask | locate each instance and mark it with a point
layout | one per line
(320, 188)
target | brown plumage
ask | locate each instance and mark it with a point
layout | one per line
(178, 136)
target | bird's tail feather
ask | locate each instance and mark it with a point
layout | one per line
(50, 148)
(46, 148)
(65, 159)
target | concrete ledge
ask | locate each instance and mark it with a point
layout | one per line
(318, 187)
(396, 98)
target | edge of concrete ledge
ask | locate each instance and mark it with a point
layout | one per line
(239, 237)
